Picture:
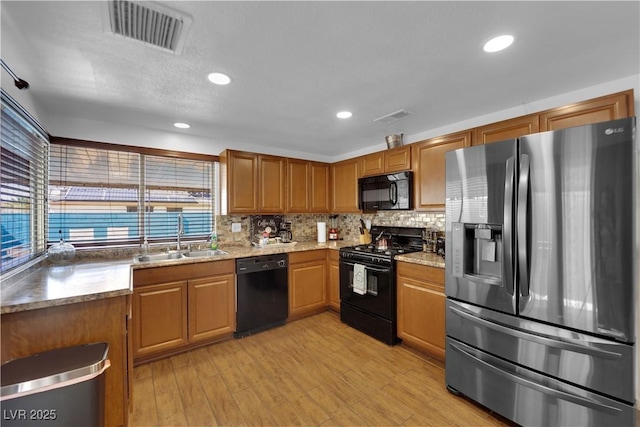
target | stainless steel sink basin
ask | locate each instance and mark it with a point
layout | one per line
(158, 257)
(178, 255)
(204, 253)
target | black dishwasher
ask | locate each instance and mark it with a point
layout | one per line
(262, 293)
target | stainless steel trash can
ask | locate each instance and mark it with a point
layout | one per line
(63, 387)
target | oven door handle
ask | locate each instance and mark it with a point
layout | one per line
(368, 267)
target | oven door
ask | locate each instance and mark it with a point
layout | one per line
(380, 296)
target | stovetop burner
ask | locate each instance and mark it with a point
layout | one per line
(372, 249)
(399, 240)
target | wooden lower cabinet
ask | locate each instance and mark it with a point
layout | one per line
(333, 284)
(307, 282)
(179, 307)
(211, 307)
(421, 307)
(159, 317)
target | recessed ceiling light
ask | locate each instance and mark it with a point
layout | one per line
(219, 78)
(344, 114)
(498, 43)
(182, 125)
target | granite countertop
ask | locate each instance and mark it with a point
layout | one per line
(234, 252)
(50, 285)
(86, 280)
(424, 258)
(53, 285)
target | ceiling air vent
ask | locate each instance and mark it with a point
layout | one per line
(393, 117)
(149, 23)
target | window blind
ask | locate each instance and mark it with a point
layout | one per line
(108, 197)
(93, 196)
(178, 187)
(23, 184)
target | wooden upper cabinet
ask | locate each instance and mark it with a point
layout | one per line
(297, 185)
(372, 164)
(344, 181)
(611, 107)
(271, 185)
(239, 182)
(252, 183)
(506, 129)
(307, 186)
(429, 169)
(319, 187)
(397, 159)
(393, 160)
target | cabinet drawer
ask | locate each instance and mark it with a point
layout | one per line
(421, 272)
(306, 256)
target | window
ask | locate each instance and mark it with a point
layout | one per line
(105, 196)
(23, 156)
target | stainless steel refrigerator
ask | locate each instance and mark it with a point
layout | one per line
(542, 274)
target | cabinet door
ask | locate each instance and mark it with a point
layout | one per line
(211, 307)
(307, 287)
(334, 279)
(271, 184)
(242, 185)
(372, 164)
(397, 159)
(159, 317)
(297, 185)
(421, 310)
(318, 187)
(506, 129)
(610, 107)
(344, 181)
(429, 169)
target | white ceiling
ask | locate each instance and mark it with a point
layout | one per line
(294, 65)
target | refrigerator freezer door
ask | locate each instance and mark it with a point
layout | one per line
(528, 397)
(478, 229)
(579, 228)
(597, 364)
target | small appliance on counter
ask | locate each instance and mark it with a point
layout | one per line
(333, 229)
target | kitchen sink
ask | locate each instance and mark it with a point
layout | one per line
(164, 256)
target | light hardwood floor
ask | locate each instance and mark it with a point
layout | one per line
(315, 371)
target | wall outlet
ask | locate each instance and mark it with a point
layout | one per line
(236, 227)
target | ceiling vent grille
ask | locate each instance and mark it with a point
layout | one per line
(393, 117)
(150, 23)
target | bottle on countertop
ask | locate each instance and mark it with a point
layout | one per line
(214, 241)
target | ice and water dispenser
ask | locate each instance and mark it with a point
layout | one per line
(477, 252)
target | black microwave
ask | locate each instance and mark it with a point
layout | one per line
(386, 192)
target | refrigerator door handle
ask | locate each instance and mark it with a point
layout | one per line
(540, 339)
(523, 197)
(561, 395)
(507, 241)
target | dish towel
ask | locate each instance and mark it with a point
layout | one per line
(359, 279)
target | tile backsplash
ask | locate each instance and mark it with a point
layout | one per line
(303, 226)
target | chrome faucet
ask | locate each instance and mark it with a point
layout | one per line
(180, 229)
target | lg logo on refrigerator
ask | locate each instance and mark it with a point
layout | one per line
(611, 131)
